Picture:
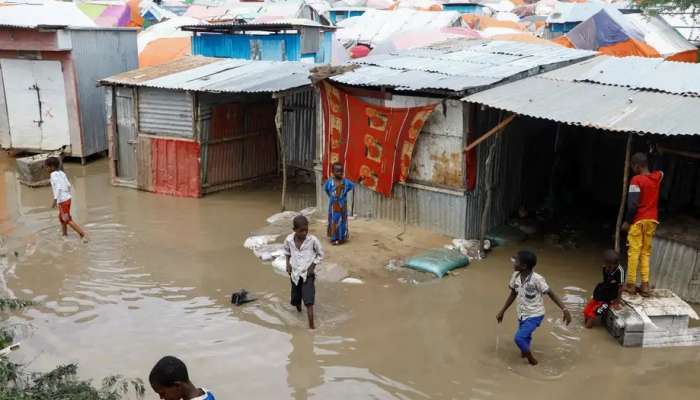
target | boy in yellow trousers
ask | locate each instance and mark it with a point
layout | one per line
(641, 221)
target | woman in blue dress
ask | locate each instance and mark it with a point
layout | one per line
(337, 189)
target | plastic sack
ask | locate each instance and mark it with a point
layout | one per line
(254, 242)
(438, 261)
(286, 216)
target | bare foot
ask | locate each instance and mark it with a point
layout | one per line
(299, 308)
(522, 355)
(589, 323)
(85, 239)
(531, 359)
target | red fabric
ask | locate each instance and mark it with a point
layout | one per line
(64, 212)
(175, 167)
(374, 143)
(589, 312)
(649, 186)
(359, 51)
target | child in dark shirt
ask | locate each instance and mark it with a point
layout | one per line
(606, 293)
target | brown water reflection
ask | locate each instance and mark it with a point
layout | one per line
(157, 276)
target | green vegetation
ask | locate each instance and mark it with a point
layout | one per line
(62, 383)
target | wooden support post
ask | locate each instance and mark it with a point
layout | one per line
(281, 147)
(623, 199)
(496, 129)
(488, 183)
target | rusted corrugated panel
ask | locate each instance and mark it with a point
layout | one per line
(241, 147)
(299, 129)
(144, 170)
(175, 166)
(165, 112)
(138, 76)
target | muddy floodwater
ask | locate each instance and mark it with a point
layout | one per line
(157, 277)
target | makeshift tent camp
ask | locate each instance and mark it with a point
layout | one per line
(113, 13)
(165, 42)
(423, 37)
(610, 32)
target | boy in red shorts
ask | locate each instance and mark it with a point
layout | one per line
(62, 197)
(606, 293)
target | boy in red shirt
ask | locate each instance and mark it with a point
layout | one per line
(641, 221)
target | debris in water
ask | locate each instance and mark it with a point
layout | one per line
(352, 281)
(241, 297)
(269, 252)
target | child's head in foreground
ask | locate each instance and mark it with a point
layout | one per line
(524, 261)
(169, 378)
(300, 225)
(53, 164)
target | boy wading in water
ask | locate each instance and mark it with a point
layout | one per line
(606, 293)
(641, 221)
(529, 288)
(337, 189)
(169, 378)
(62, 197)
(303, 253)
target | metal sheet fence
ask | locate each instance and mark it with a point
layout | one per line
(299, 129)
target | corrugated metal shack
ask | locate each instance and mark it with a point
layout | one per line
(291, 39)
(198, 125)
(600, 103)
(48, 96)
(445, 192)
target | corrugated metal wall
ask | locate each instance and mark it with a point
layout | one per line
(676, 266)
(240, 46)
(98, 54)
(299, 129)
(245, 149)
(175, 167)
(165, 112)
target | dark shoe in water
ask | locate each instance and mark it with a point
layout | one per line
(240, 297)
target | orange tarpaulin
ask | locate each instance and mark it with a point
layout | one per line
(374, 143)
(136, 18)
(161, 51)
(690, 56)
(630, 47)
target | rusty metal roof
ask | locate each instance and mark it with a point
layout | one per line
(216, 75)
(617, 94)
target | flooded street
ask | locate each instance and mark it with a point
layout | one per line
(157, 277)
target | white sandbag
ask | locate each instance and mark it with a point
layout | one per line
(254, 242)
(268, 252)
(280, 264)
(352, 281)
(308, 211)
(286, 216)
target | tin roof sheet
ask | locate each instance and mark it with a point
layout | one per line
(458, 66)
(636, 73)
(375, 26)
(613, 108)
(258, 25)
(215, 75)
(50, 13)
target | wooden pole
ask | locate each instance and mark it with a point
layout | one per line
(488, 180)
(280, 146)
(502, 125)
(623, 200)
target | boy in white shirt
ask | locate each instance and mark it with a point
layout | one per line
(529, 288)
(62, 197)
(169, 378)
(303, 253)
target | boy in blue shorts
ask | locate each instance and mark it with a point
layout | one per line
(529, 288)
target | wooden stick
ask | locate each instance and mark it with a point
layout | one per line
(282, 151)
(687, 154)
(488, 178)
(623, 200)
(490, 133)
